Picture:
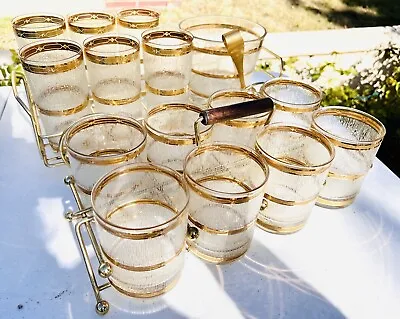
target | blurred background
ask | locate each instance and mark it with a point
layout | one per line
(350, 48)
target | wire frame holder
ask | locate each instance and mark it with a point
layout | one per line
(85, 218)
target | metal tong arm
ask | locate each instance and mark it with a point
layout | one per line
(230, 112)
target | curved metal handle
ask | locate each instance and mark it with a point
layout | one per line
(63, 149)
(234, 44)
(277, 56)
(14, 76)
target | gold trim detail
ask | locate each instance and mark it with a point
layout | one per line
(115, 102)
(254, 121)
(288, 202)
(66, 112)
(144, 295)
(83, 189)
(104, 58)
(215, 260)
(279, 229)
(217, 76)
(219, 231)
(73, 19)
(292, 166)
(163, 92)
(114, 156)
(356, 115)
(221, 51)
(51, 31)
(139, 24)
(339, 203)
(293, 107)
(162, 50)
(344, 176)
(69, 64)
(199, 94)
(175, 138)
(144, 268)
(236, 198)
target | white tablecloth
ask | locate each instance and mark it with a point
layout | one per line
(344, 263)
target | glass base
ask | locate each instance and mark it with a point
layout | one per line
(334, 203)
(214, 260)
(282, 230)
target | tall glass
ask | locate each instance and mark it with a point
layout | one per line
(356, 136)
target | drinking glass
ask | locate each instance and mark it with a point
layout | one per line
(98, 143)
(86, 24)
(356, 136)
(298, 159)
(226, 184)
(141, 221)
(33, 27)
(294, 101)
(172, 138)
(238, 131)
(114, 75)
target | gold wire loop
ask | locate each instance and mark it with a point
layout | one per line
(62, 148)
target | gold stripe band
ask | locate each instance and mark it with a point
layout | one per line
(122, 21)
(219, 231)
(115, 102)
(344, 176)
(20, 24)
(51, 45)
(212, 259)
(160, 50)
(199, 94)
(119, 56)
(144, 268)
(221, 51)
(66, 112)
(278, 229)
(144, 295)
(163, 92)
(329, 203)
(288, 202)
(73, 21)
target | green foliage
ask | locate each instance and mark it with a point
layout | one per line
(6, 69)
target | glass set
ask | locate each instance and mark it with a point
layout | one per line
(195, 175)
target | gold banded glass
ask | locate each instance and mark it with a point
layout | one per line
(226, 185)
(241, 131)
(34, 27)
(114, 74)
(57, 84)
(86, 24)
(298, 159)
(98, 143)
(294, 101)
(141, 220)
(356, 136)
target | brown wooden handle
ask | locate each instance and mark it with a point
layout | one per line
(234, 111)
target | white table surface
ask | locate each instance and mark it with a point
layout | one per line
(344, 263)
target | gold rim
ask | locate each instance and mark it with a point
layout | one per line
(66, 112)
(144, 268)
(292, 166)
(352, 177)
(356, 115)
(225, 197)
(122, 21)
(64, 65)
(115, 102)
(293, 107)
(210, 230)
(175, 138)
(20, 22)
(74, 19)
(144, 295)
(254, 121)
(163, 50)
(117, 156)
(120, 57)
(155, 231)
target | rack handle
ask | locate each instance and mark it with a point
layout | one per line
(14, 76)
